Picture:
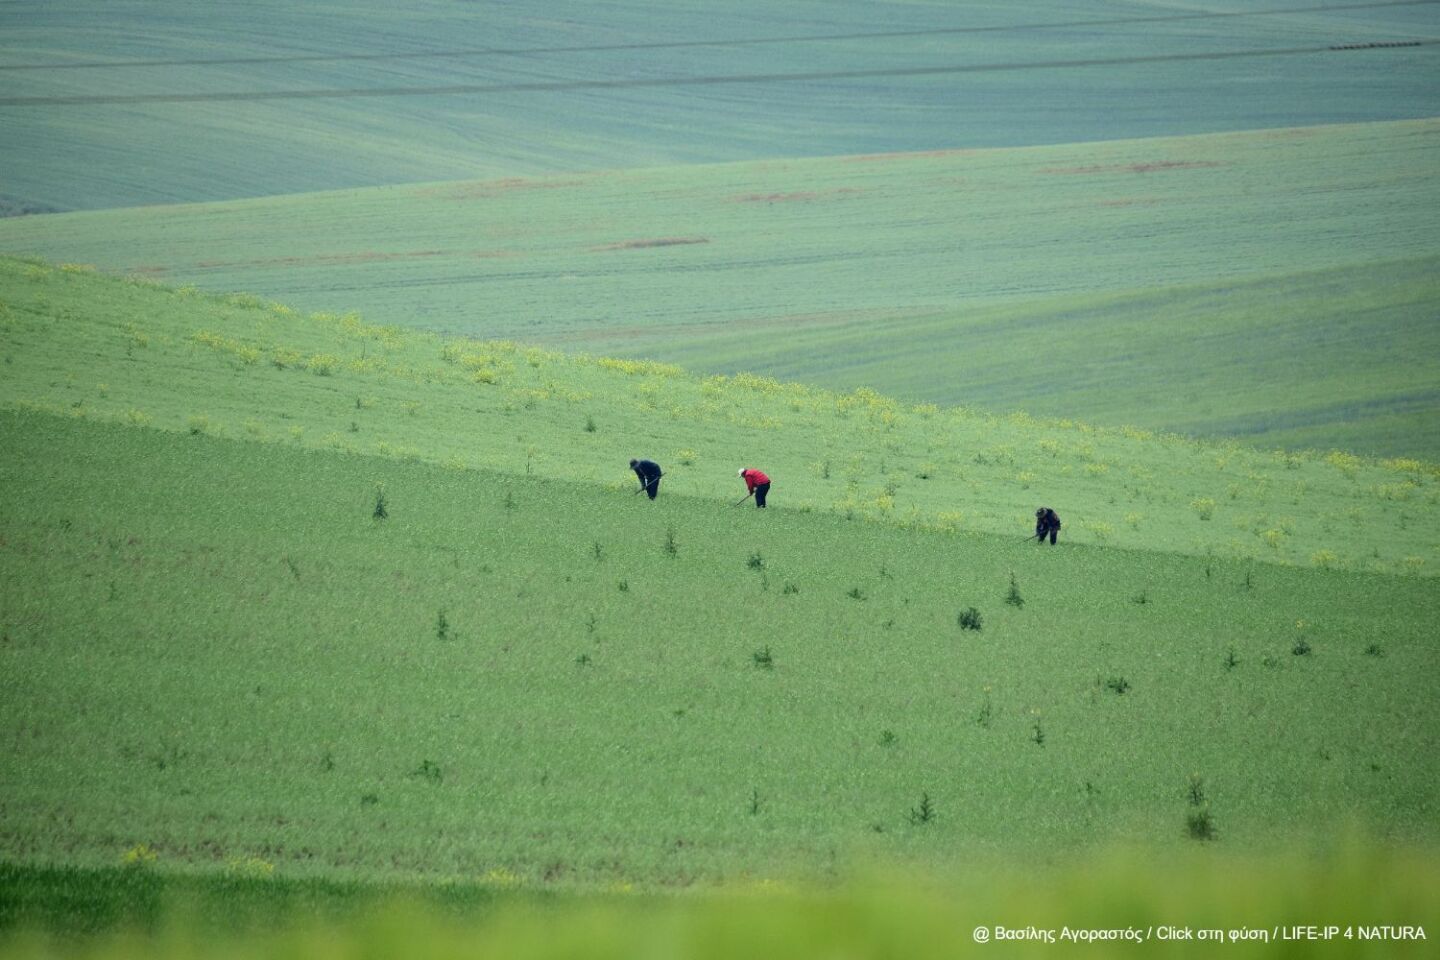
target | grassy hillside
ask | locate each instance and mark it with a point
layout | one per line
(138, 103)
(80, 343)
(214, 652)
(243, 710)
(1123, 283)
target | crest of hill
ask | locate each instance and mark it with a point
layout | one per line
(130, 351)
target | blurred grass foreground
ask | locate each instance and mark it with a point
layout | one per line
(1357, 899)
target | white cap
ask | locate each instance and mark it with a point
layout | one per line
(742, 471)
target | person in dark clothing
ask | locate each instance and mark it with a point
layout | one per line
(1046, 522)
(649, 473)
(758, 483)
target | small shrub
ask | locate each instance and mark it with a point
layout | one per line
(855, 593)
(428, 771)
(756, 562)
(198, 424)
(1231, 660)
(1301, 648)
(969, 619)
(763, 659)
(590, 425)
(1012, 596)
(887, 738)
(1118, 685)
(986, 714)
(381, 512)
(1196, 790)
(1143, 597)
(624, 586)
(442, 626)
(671, 547)
(924, 813)
(1204, 507)
(1037, 735)
(1374, 650)
(1200, 825)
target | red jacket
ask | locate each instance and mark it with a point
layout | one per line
(753, 479)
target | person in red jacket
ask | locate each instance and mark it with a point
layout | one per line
(758, 483)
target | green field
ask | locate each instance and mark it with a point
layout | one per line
(218, 641)
(1122, 283)
(129, 351)
(158, 102)
(219, 663)
(333, 623)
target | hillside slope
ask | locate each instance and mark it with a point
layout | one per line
(214, 654)
(100, 347)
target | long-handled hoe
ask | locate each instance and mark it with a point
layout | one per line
(743, 499)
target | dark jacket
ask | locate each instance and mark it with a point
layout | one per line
(1045, 521)
(647, 470)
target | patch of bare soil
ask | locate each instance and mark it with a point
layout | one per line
(646, 244)
(804, 196)
(1156, 167)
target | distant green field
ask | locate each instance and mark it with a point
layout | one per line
(1276, 286)
(157, 102)
(1342, 358)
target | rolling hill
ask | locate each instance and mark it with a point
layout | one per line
(221, 651)
(129, 350)
(1276, 286)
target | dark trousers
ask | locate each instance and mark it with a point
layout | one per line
(652, 486)
(1040, 534)
(760, 490)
